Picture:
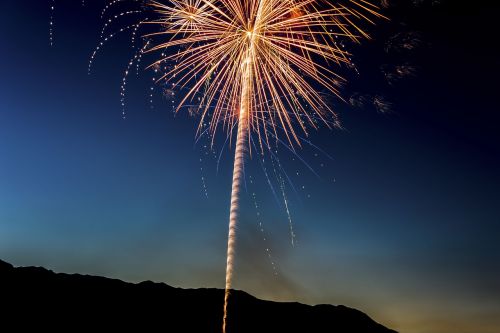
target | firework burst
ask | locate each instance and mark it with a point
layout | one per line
(255, 67)
(261, 54)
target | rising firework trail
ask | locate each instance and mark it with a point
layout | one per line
(255, 67)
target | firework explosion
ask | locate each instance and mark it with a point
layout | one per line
(254, 68)
(254, 61)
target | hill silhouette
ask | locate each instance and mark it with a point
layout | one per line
(34, 297)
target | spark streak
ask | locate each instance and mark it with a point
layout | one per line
(51, 22)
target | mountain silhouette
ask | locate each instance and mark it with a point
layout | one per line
(34, 297)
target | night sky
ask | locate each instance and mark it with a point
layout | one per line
(399, 216)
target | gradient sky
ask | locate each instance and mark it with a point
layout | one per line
(403, 222)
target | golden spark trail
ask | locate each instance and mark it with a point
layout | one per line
(239, 159)
(238, 175)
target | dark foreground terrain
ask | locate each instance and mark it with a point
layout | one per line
(34, 297)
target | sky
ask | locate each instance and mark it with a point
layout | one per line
(397, 214)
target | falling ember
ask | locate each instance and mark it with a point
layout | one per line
(394, 73)
(51, 22)
(258, 63)
(52, 4)
(403, 41)
(381, 104)
(261, 228)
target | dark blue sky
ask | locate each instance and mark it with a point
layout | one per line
(402, 222)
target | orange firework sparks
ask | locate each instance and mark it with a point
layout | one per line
(255, 62)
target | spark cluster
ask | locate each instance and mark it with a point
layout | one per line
(288, 46)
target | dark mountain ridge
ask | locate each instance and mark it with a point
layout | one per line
(37, 297)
